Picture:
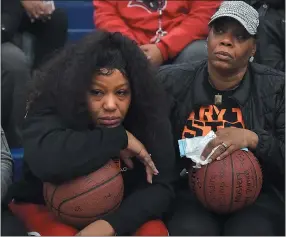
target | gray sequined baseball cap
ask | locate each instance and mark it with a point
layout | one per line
(240, 11)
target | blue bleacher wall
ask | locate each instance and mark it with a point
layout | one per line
(80, 17)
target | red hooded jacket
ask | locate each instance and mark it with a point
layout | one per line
(185, 21)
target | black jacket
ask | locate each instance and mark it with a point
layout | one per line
(271, 39)
(11, 15)
(261, 99)
(271, 33)
(54, 152)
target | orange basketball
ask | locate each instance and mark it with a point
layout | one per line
(228, 185)
(86, 199)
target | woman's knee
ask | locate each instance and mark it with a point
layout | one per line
(13, 58)
(249, 224)
(189, 228)
(193, 52)
(192, 223)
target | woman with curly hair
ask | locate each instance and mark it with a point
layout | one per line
(94, 101)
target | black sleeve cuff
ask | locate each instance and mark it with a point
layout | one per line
(117, 134)
(124, 137)
(263, 138)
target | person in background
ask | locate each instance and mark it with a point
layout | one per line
(90, 103)
(166, 31)
(10, 224)
(49, 27)
(244, 104)
(47, 24)
(271, 35)
(15, 73)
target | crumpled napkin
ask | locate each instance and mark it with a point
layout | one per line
(192, 148)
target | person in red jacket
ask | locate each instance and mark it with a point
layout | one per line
(167, 31)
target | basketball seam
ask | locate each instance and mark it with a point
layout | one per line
(52, 197)
(95, 187)
(256, 183)
(205, 174)
(97, 216)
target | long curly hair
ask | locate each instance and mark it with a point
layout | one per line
(60, 85)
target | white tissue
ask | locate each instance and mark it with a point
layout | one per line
(193, 148)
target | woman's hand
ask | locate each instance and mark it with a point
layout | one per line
(229, 140)
(126, 155)
(97, 228)
(153, 54)
(37, 9)
(136, 148)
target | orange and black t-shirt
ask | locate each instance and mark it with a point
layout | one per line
(213, 117)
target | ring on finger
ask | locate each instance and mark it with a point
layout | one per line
(224, 145)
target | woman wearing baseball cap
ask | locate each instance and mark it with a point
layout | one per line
(244, 103)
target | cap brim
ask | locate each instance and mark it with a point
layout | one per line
(241, 21)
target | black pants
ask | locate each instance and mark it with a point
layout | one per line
(15, 74)
(190, 218)
(11, 225)
(50, 35)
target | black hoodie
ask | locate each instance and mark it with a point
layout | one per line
(54, 152)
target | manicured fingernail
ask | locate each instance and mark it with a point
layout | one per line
(218, 158)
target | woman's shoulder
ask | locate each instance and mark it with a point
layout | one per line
(177, 77)
(266, 72)
(268, 82)
(180, 69)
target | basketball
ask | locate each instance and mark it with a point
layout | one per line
(228, 185)
(87, 198)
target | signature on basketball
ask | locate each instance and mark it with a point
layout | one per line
(222, 185)
(239, 186)
(221, 190)
(77, 209)
(241, 160)
(211, 185)
(108, 196)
